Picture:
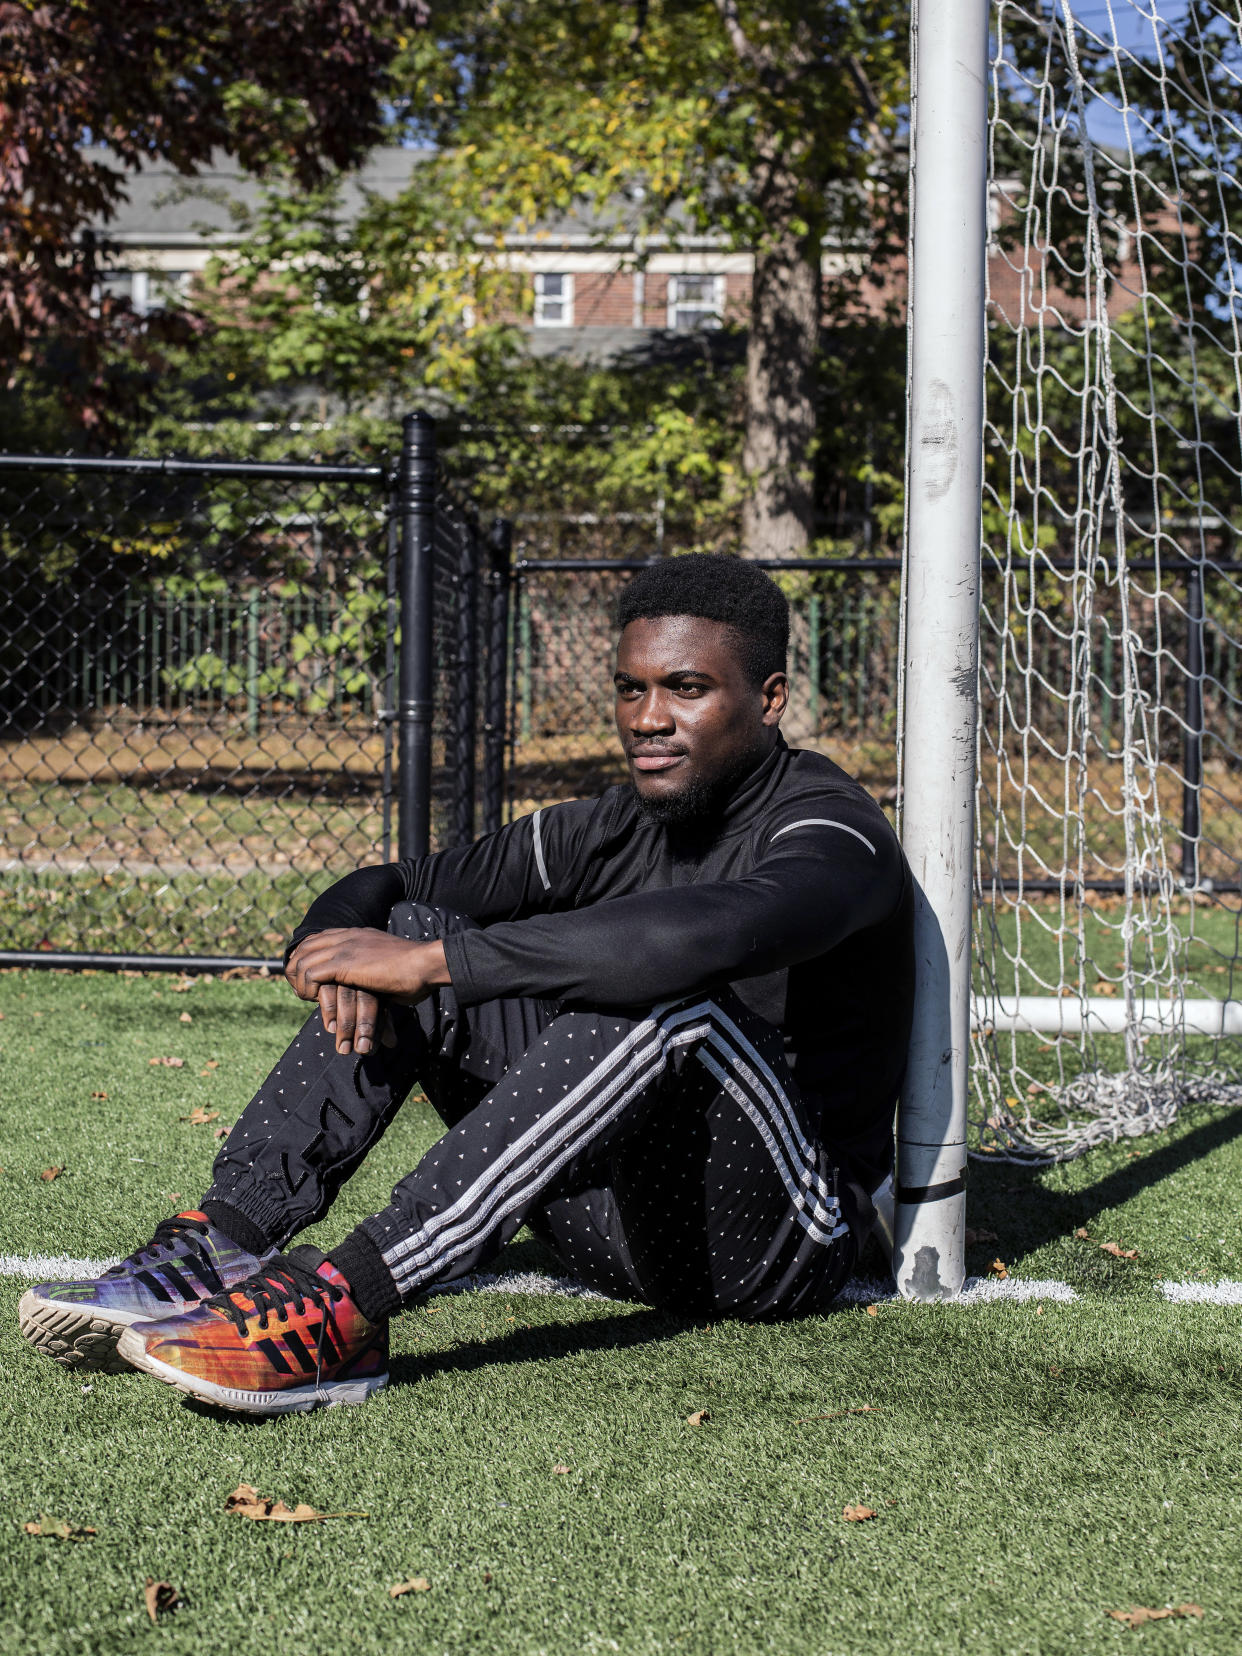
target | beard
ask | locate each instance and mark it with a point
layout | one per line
(700, 799)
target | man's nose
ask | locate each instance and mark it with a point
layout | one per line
(654, 712)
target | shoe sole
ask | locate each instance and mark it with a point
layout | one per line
(294, 1400)
(77, 1337)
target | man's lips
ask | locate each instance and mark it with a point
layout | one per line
(655, 761)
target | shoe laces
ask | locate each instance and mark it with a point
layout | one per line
(167, 1233)
(285, 1283)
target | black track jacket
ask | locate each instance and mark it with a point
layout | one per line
(797, 894)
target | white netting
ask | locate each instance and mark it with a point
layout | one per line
(1109, 836)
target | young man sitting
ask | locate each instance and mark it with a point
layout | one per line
(664, 1027)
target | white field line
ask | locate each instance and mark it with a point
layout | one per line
(975, 1291)
(1203, 1293)
(52, 1267)
(858, 1291)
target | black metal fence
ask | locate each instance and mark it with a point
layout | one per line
(844, 655)
(223, 684)
(1038, 680)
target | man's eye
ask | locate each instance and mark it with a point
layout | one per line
(689, 689)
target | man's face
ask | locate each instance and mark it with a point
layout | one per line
(691, 723)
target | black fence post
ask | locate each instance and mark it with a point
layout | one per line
(500, 554)
(415, 510)
(466, 686)
(388, 712)
(1192, 740)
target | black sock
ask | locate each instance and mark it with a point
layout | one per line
(370, 1281)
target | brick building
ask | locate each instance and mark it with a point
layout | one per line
(586, 298)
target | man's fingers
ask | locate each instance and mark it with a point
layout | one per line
(346, 1016)
(327, 1006)
(296, 977)
(365, 1021)
(312, 962)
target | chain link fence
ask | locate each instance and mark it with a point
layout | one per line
(212, 705)
(844, 660)
(199, 713)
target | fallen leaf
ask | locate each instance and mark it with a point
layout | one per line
(1137, 1614)
(185, 1018)
(1117, 1251)
(858, 1514)
(60, 1528)
(698, 1417)
(220, 1132)
(980, 1235)
(212, 1063)
(159, 1595)
(198, 1117)
(873, 1310)
(175, 1197)
(50, 1173)
(559, 1468)
(837, 1414)
(168, 1063)
(1082, 1234)
(999, 1269)
(1035, 1088)
(419, 1584)
(246, 1502)
(99, 1095)
(1104, 988)
(182, 988)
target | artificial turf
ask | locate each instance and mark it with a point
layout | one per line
(1032, 1466)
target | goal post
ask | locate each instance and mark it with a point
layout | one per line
(1071, 703)
(948, 211)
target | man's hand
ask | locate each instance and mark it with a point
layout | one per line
(348, 969)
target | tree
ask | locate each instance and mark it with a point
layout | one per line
(295, 84)
(770, 122)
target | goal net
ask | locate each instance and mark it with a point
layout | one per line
(1109, 800)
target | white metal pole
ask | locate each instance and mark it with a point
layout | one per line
(944, 474)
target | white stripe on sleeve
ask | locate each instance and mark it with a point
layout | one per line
(823, 822)
(537, 833)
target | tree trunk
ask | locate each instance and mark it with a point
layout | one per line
(779, 515)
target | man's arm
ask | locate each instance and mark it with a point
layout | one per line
(351, 971)
(816, 884)
(501, 876)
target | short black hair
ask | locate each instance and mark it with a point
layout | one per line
(718, 587)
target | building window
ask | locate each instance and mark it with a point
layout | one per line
(167, 288)
(695, 301)
(117, 284)
(147, 290)
(554, 301)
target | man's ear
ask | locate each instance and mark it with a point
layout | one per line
(775, 698)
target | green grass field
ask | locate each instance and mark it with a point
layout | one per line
(1032, 1465)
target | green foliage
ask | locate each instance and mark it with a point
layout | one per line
(293, 84)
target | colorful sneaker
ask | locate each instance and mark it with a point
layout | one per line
(290, 1338)
(79, 1323)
